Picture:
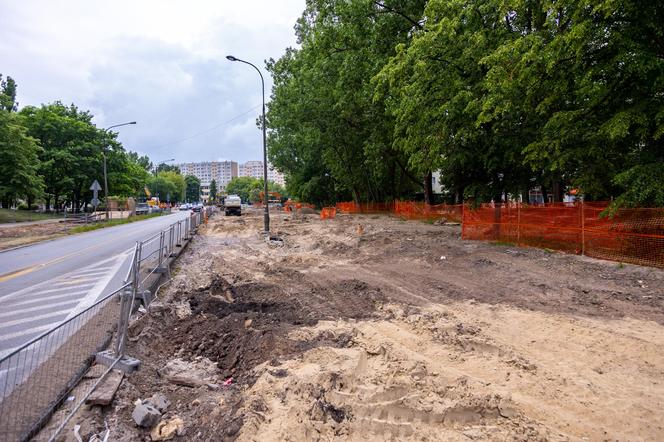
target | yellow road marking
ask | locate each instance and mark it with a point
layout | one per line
(26, 270)
(11, 275)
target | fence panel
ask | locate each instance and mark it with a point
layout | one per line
(35, 378)
(38, 375)
(630, 235)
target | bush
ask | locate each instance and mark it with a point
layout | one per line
(22, 206)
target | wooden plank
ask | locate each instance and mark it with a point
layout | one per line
(103, 394)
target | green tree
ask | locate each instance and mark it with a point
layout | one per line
(327, 134)
(163, 167)
(193, 188)
(243, 187)
(213, 190)
(160, 186)
(8, 94)
(18, 168)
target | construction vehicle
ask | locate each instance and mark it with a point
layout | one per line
(233, 205)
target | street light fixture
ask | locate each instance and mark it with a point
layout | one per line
(266, 216)
(103, 152)
(156, 165)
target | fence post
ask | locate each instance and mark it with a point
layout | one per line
(171, 240)
(583, 230)
(161, 249)
(518, 223)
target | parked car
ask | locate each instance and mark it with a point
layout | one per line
(184, 207)
(142, 209)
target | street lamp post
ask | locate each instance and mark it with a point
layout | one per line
(103, 152)
(266, 216)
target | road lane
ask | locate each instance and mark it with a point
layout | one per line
(37, 263)
(44, 284)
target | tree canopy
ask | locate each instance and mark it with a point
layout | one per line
(192, 189)
(500, 97)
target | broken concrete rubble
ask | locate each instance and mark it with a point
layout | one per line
(159, 401)
(145, 415)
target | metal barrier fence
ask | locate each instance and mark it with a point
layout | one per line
(38, 376)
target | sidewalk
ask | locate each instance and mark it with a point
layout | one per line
(30, 223)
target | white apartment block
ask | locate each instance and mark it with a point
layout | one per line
(220, 171)
(255, 169)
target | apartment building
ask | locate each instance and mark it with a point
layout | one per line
(255, 169)
(220, 171)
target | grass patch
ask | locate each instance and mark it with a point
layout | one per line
(111, 223)
(19, 216)
(503, 243)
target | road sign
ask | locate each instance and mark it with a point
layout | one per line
(95, 189)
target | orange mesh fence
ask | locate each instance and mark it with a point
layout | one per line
(328, 213)
(290, 206)
(422, 211)
(352, 207)
(631, 235)
(406, 209)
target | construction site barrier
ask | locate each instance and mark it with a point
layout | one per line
(629, 235)
(406, 209)
(328, 212)
(290, 206)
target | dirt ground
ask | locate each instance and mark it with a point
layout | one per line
(373, 328)
(20, 234)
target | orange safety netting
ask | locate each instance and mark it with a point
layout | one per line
(406, 209)
(352, 207)
(290, 206)
(420, 210)
(631, 235)
(328, 212)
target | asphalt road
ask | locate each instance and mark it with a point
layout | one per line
(42, 284)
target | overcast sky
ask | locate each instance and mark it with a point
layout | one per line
(161, 63)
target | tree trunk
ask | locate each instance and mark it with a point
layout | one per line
(558, 192)
(428, 188)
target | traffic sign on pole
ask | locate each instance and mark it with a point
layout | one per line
(95, 187)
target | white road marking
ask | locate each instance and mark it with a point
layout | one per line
(95, 292)
(32, 318)
(27, 331)
(37, 308)
(55, 281)
(50, 297)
